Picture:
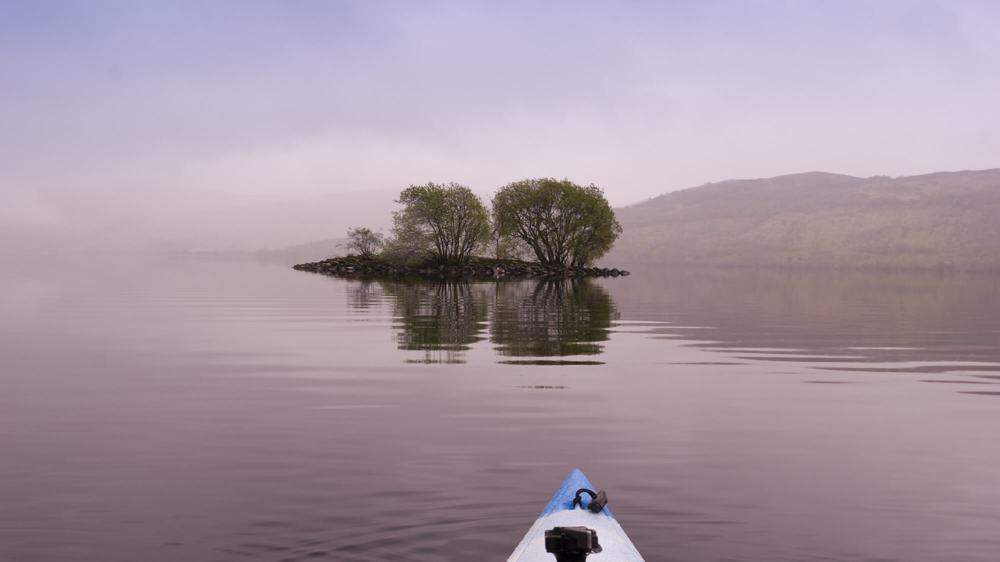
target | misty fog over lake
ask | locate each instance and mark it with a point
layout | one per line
(203, 410)
(800, 363)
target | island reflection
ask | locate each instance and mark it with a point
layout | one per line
(551, 319)
(526, 321)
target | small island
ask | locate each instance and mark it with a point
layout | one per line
(475, 268)
(443, 232)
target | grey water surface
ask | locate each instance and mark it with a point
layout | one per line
(236, 411)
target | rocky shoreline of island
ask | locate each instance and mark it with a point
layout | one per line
(473, 269)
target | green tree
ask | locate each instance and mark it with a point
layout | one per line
(364, 241)
(505, 247)
(447, 223)
(562, 222)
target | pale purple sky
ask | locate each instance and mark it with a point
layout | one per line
(639, 98)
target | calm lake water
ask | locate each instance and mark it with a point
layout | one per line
(214, 411)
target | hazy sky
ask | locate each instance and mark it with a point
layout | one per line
(639, 98)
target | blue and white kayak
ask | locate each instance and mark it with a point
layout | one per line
(564, 510)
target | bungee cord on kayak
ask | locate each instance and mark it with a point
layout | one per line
(600, 499)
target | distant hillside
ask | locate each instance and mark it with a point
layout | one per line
(310, 251)
(942, 220)
(275, 224)
(190, 221)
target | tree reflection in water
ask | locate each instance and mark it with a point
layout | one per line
(442, 319)
(526, 319)
(551, 319)
(364, 294)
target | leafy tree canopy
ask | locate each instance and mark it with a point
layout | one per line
(563, 223)
(364, 241)
(443, 222)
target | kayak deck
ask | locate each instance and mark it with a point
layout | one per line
(560, 512)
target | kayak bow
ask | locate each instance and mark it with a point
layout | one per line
(565, 510)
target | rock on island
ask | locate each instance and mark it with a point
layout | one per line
(475, 268)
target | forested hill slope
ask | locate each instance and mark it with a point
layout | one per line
(941, 220)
